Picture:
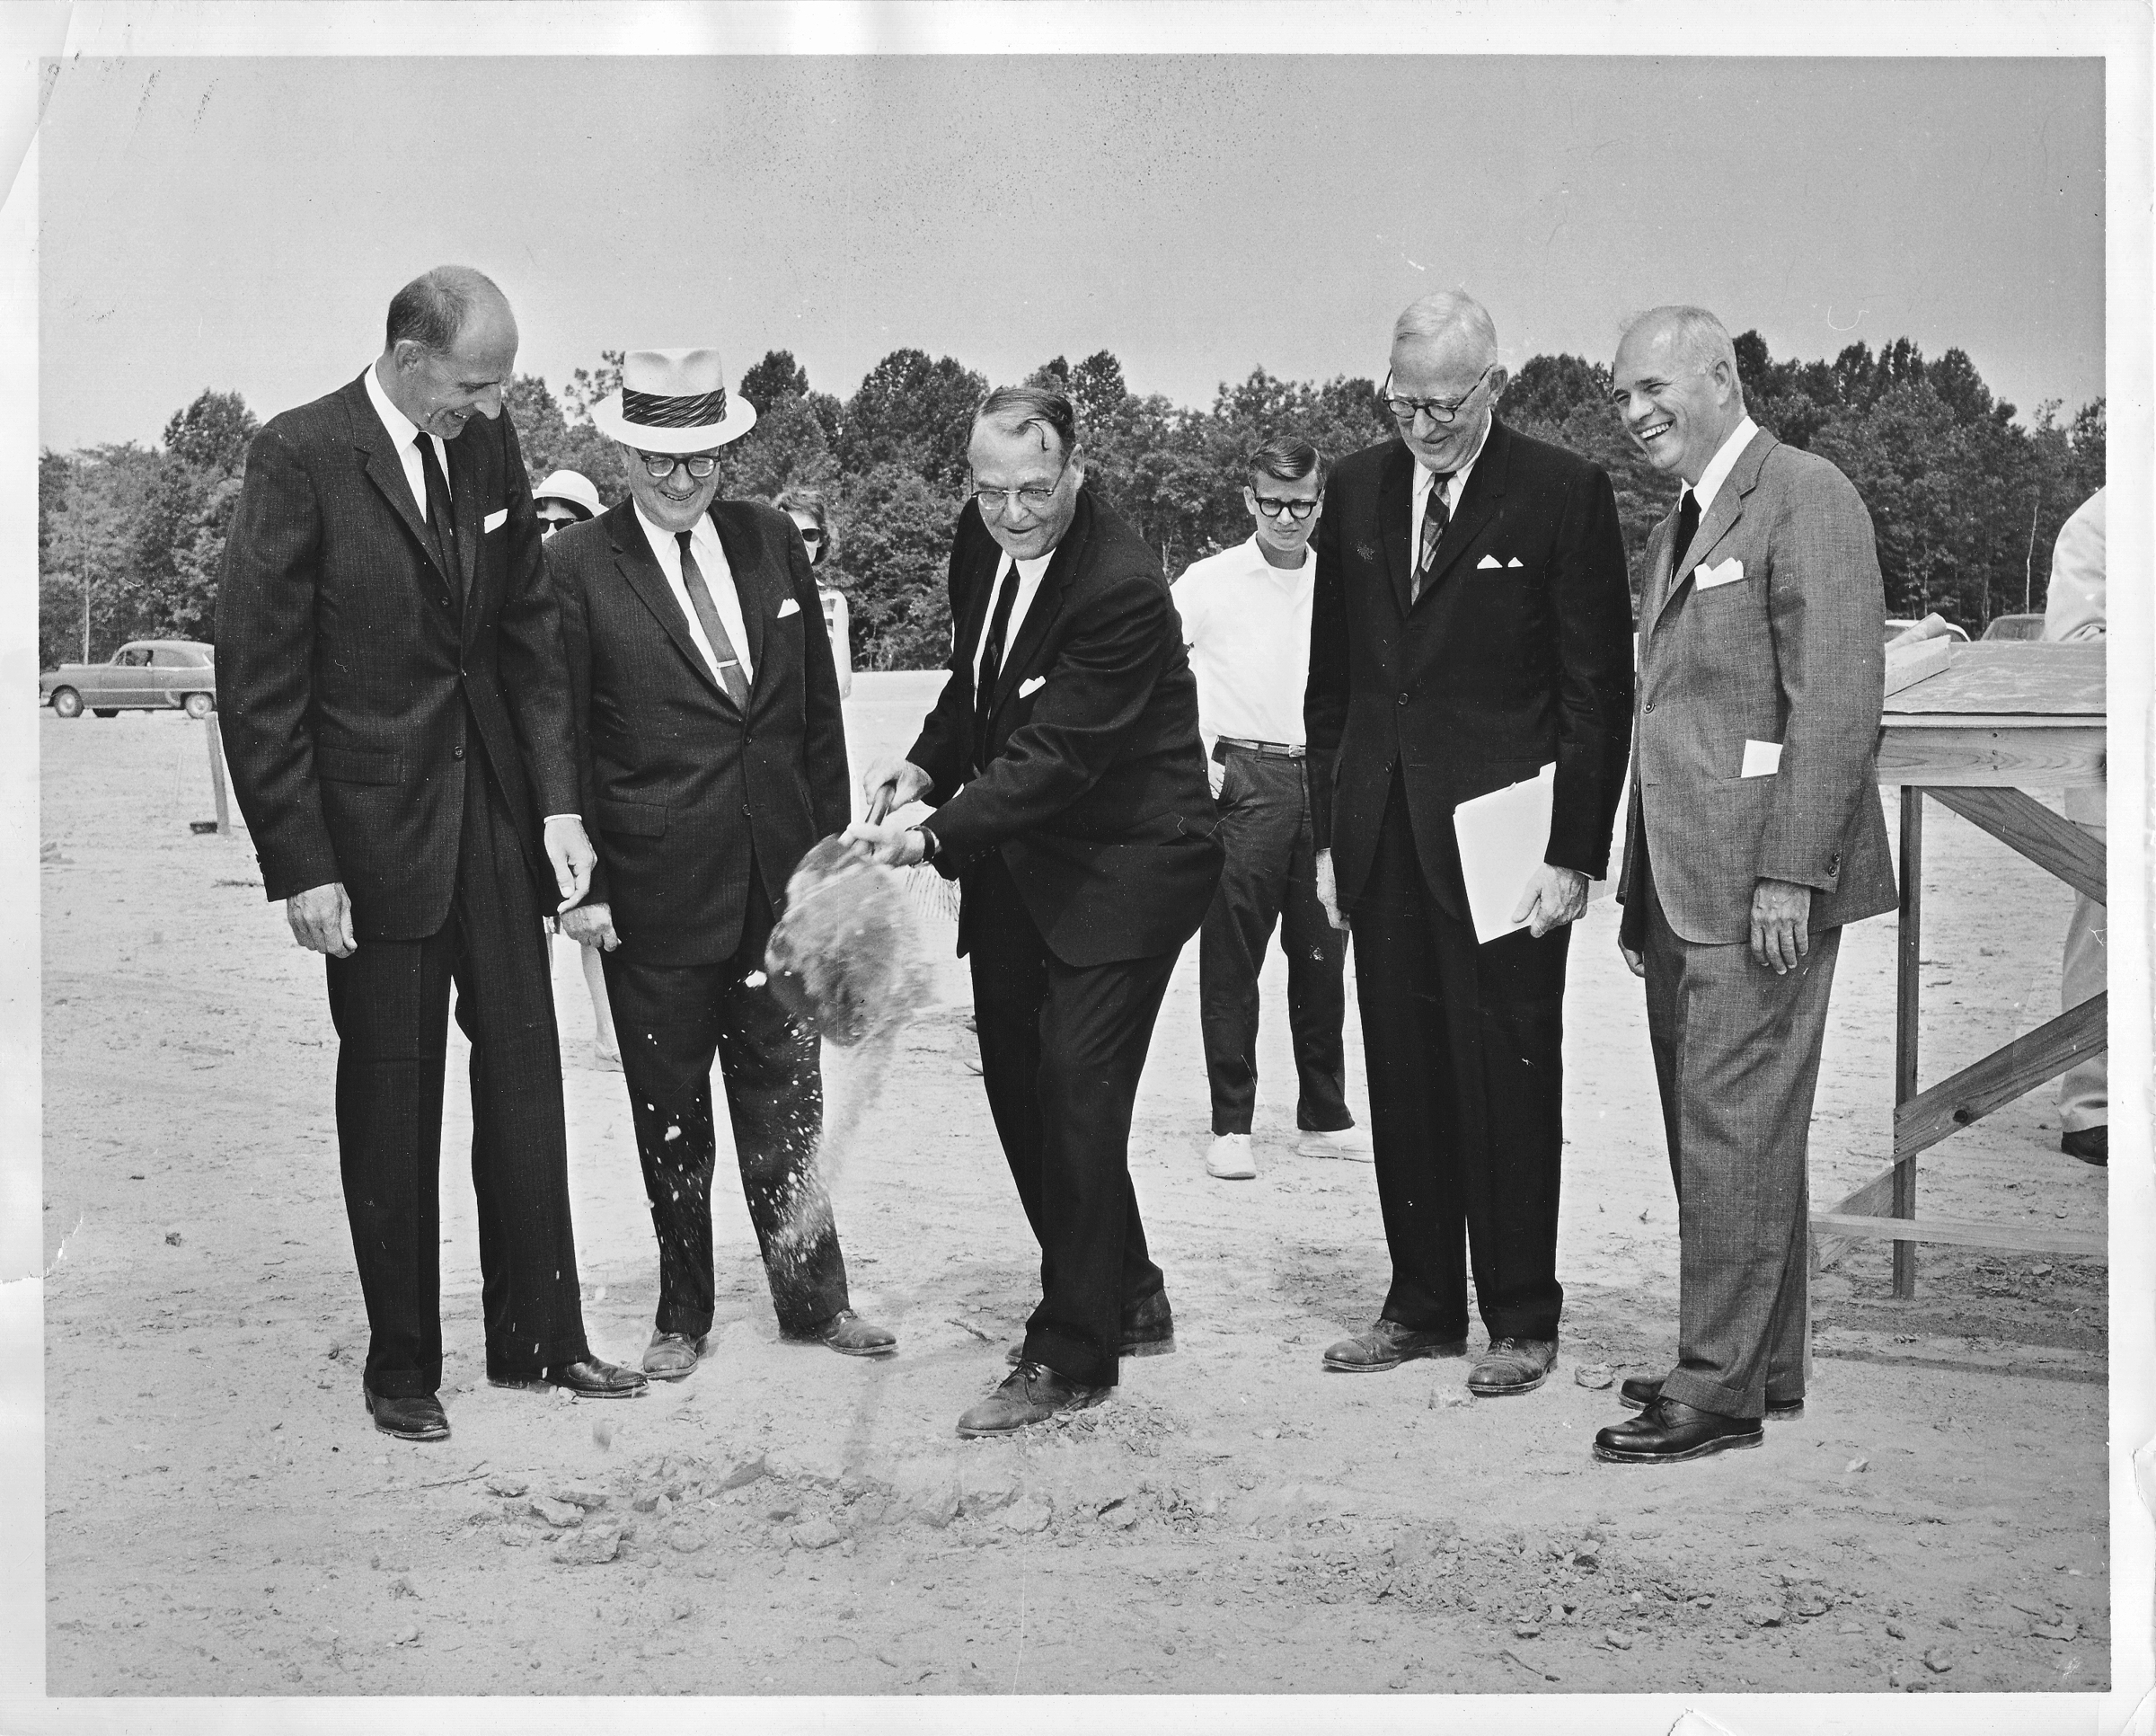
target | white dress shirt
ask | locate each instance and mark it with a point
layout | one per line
(1247, 623)
(403, 434)
(1030, 575)
(1454, 489)
(1719, 467)
(718, 579)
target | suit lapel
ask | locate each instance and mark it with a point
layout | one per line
(1479, 502)
(634, 559)
(386, 469)
(1721, 518)
(753, 587)
(1395, 516)
(1041, 613)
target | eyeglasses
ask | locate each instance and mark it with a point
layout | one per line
(1273, 507)
(810, 535)
(550, 523)
(661, 464)
(1438, 410)
(1035, 500)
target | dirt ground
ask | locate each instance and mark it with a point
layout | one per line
(221, 1519)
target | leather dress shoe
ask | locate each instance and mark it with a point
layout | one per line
(1512, 1365)
(674, 1356)
(419, 1417)
(1637, 1393)
(1386, 1345)
(1030, 1393)
(848, 1334)
(589, 1378)
(1148, 1329)
(1668, 1433)
(2091, 1144)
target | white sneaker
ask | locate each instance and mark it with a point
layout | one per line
(1353, 1143)
(1230, 1158)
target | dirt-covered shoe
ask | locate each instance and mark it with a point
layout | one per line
(1512, 1365)
(2091, 1144)
(673, 1355)
(848, 1334)
(1386, 1345)
(1032, 1392)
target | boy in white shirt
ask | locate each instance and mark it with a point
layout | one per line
(1246, 618)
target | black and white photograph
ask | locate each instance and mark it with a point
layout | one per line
(1241, 867)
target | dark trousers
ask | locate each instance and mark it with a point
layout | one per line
(1736, 1059)
(1465, 1046)
(389, 1002)
(1271, 876)
(1062, 1048)
(670, 1021)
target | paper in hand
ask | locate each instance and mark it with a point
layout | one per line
(1504, 836)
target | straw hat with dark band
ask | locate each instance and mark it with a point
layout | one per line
(673, 401)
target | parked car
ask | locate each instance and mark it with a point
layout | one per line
(143, 674)
(1945, 629)
(2015, 626)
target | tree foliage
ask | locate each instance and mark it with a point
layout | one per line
(1965, 501)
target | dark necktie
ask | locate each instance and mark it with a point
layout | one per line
(1435, 516)
(441, 516)
(707, 612)
(1687, 525)
(992, 663)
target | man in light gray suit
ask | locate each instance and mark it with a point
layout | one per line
(1755, 834)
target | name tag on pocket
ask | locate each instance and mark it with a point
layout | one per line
(1026, 689)
(1728, 573)
(495, 521)
(790, 607)
(1762, 760)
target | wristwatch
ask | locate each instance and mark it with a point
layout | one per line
(930, 842)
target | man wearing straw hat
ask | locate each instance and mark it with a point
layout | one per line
(710, 755)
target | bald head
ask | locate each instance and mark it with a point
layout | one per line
(450, 347)
(1675, 383)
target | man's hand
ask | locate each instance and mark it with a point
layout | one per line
(591, 925)
(894, 846)
(322, 920)
(572, 855)
(1329, 894)
(1781, 916)
(1635, 962)
(1216, 774)
(891, 783)
(1554, 897)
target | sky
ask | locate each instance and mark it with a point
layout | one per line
(240, 225)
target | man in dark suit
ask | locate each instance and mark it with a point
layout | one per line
(710, 755)
(1471, 625)
(1753, 835)
(1072, 807)
(396, 718)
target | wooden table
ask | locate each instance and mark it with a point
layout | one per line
(1975, 727)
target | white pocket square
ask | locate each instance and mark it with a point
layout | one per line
(495, 521)
(1728, 573)
(1026, 689)
(1762, 760)
(1515, 561)
(1488, 560)
(790, 607)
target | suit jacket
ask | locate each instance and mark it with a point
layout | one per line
(352, 683)
(684, 791)
(1095, 793)
(1517, 653)
(1789, 653)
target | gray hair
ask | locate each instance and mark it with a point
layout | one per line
(1696, 338)
(432, 308)
(1016, 408)
(1449, 314)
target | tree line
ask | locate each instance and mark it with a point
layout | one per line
(1966, 499)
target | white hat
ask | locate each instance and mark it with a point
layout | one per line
(574, 487)
(673, 401)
